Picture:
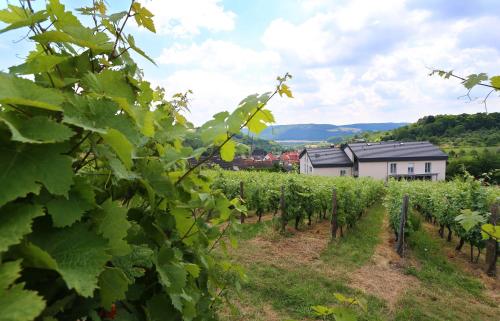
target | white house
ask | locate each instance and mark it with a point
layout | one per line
(411, 160)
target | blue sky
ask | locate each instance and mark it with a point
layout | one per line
(352, 61)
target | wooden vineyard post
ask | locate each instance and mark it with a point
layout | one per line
(335, 223)
(400, 245)
(492, 246)
(283, 210)
(242, 196)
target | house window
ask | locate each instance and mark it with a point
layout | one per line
(393, 168)
(411, 168)
(428, 167)
(342, 172)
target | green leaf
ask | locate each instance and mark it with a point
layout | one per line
(24, 167)
(20, 91)
(15, 222)
(113, 225)
(35, 257)
(185, 224)
(38, 64)
(469, 219)
(143, 17)
(35, 130)
(110, 83)
(9, 272)
(227, 151)
(80, 36)
(80, 255)
(135, 263)
(495, 82)
(490, 231)
(285, 90)
(18, 17)
(121, 145)
(18, 304)
(474, 79)
(172, 273)
(113, 284)
(66, 211)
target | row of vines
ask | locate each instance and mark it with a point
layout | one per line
(304, 196)
(460, 207)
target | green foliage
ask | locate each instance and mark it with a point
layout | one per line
(461, 205)
(100, 210)
(305, 196)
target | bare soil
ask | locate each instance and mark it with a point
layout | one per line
(383, 276)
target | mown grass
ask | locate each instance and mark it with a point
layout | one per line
(293, 289)
(358, 243)
(446, 291)
(287, 290)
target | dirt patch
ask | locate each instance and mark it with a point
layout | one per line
(301, 247)
(383, 276)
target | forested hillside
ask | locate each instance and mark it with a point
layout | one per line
(478, 130)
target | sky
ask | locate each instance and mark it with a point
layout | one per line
(352, 61)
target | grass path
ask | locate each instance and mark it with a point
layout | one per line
(288, 275)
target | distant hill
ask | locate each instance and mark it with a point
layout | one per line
(476, 130)
(322, 132)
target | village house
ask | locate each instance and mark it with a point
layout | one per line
(382, 160)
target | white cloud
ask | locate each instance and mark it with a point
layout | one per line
(220, 74)
(189, 17)
(352, 61)
(218, 55)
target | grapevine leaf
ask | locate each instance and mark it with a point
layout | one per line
(285, 90)
(23, 168)
(18, 304)
(495, 82)
(121, 145)
(20, 91)
(185, 224)
(474, 79)
(109, 83)
(38, 64)
(35, 130)
(80, 255)
(112, 224)
(159, 306)
(113, 284)
(143, 17)
(66, 211)
(227, 151)
(79, 36)
(15, 222)
(469, 219)
(18, 17)
(35, 257)
(172, 274)
(136, 262)
(490, 231)
(9, 272)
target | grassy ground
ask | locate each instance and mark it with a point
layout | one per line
(288, 275)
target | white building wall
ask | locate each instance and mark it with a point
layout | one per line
(305, 165)
(349, 154)
(332, 171)
(381, 170)
(373, 169)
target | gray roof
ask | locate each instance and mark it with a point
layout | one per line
(327, 157)
(393, 151)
